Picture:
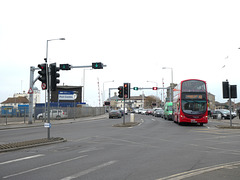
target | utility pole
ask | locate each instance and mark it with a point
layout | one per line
(30, 92)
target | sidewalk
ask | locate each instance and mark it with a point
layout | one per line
(38, 123)
(225, 123)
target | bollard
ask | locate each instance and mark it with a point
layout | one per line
(131, 117)
(219, 116)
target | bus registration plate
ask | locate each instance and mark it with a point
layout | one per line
(193, 121)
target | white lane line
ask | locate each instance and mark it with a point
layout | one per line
(142, 121)
(87, 171)
(41, 167)
(90, 149)
(21, 159)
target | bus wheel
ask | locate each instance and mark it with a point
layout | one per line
(201, 124)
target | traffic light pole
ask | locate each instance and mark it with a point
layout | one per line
(32, 69)
(48, 104)
(124, 109)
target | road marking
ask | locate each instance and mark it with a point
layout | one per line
(90, 149)
(142, 121)
(87, 171)
(196, 172)
(41, 167)
(21, 159)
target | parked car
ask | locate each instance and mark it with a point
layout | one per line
(126, 111)
(234, 114)
(159, 113)
(222, 113)
(54, 114)
(115, 113)
(149, 112)
(143, 111)
(140, 110)
(155, 109)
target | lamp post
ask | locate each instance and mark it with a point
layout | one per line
(156, 86)
(171, 98)
(103, 95)
(48, 84)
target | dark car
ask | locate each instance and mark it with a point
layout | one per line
(115, 113)
(221, 113)
(159, 113)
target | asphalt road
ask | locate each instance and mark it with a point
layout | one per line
(154, 149)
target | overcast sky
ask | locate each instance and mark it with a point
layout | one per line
(134, 38)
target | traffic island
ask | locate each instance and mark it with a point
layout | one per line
(29, 144)
(127, 124)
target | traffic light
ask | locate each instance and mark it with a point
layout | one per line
(43, 75)
(97, 65)
(126, 89)
(65, 66)
(54, 76)
(155, 88)
(233, 90)
(107, 103)
(135, 88)
(225, 86)
(120, 91)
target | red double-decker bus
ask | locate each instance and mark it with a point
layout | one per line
(190, 104)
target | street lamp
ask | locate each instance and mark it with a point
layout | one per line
(48, 84)
(171, 99)
(156, 86)
(104, 91)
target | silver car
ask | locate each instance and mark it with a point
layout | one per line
(54, 114)
(115, 113)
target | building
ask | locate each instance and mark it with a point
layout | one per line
(15, 101)
(132, 103)
(211, 101)
(22, 99)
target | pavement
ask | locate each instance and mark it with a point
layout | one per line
(38, 123)
(226, 123)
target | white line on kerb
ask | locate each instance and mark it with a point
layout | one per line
(196, 172)
(21, 159)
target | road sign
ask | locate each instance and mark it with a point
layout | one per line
(43, 86)
(30, 91)
(66, 95)
(47, 125)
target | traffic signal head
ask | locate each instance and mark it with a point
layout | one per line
(54, 76)
(126, 89)
(97, 65)
(43, 74)
(225, 86)
(155, 88)
(135, 88)
(120, 91)
(65, 66)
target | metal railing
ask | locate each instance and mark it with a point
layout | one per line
(56, 113)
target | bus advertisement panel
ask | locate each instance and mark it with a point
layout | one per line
(190, 102)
